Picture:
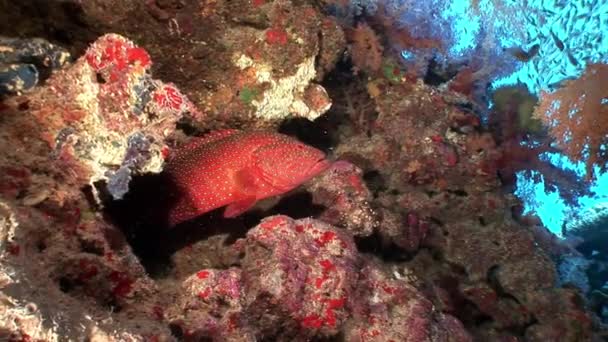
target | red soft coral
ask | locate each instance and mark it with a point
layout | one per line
(365, 49)
(577, 115)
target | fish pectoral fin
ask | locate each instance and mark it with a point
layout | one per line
(246, 182)
(237, 208)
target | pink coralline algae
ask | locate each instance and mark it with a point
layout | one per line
(396, 311)
(212, 307)
(304, 279)
(276, 36)
(342, 190)
(104, 113)
(237, 169)
(170, 97)
(122, 69)
(307, 266)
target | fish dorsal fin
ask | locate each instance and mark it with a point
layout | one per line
(208, 138)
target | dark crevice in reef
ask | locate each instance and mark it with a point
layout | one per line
(492, 280)
(295, 205)
(383, 248)
(185, 126)
(466, 310)
(352, 108)
(438, 73)
(60, 22)
(142, 216)
(463, 309)
(375, 182)
(314, 133)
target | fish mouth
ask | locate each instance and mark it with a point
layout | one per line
(319, 166)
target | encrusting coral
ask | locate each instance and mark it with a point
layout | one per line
(302, 279)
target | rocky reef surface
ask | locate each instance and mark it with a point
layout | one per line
(409, 236)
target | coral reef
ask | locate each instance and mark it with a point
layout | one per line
(342, 190)
(301, 279)
(438, 171)
(408, 236)
(100, 120)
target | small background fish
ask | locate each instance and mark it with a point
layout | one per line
(523, 55)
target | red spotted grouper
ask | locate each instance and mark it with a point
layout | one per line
(236, 169)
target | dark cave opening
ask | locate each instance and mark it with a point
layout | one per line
(383, 248)
(61, 22)
(142, 217)
(314, 133)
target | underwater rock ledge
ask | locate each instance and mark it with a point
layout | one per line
(100, 120)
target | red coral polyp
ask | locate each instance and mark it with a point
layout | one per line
(312, 321)
(273, 222)
(168, 97)
(115, 55)
(138, 55)
(327, 265)
(202, 274)
(276, 36)
(123, 284)
(325, 238)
